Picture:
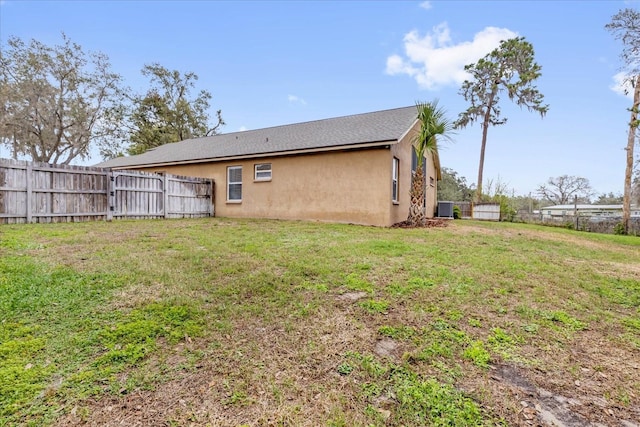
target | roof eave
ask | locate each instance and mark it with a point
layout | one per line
(374, 144)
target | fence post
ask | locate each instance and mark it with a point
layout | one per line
(212, 208)
(575, 211)
(29, 204)
(165, 195)
(111, 195)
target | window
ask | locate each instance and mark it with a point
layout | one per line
(414, 162)
(234, 184)
(394, 179)
(262, 172)
(414, 159)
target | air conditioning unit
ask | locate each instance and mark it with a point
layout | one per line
(445, 209)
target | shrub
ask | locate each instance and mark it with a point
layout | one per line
(457, 213)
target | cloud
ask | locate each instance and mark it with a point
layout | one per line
(433, 60)
(426, 5)
(621, 85)
(296, 100)
(242, 128)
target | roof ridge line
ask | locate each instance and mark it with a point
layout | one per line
(310, 121)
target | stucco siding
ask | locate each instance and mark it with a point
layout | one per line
(348, 186)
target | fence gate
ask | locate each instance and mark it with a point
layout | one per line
(137, 195)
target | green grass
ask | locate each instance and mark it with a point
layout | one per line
(253, 317)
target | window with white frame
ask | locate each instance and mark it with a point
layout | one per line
(234, 183)
(394, 179)
(262, 172)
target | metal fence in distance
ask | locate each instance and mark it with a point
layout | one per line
(594, 224)
(41, 192)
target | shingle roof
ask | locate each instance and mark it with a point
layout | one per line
(386, 126)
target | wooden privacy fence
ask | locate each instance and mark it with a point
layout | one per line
(40, 192)
(465, 209)
(486, 211)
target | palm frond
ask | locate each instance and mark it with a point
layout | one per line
(434, 124)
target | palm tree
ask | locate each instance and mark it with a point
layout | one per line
(433, 123)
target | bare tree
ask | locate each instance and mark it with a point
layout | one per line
(563, 189)
(509, 68)
(625, 26)
(497, 187)
(56, 101)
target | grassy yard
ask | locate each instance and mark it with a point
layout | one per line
(270, 323)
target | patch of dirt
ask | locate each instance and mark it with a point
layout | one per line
(352, 296)
(541, 407)
(136, 295)
(386, 348)
(429, 223)
(622, 271)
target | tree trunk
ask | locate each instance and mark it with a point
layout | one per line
(478, 196)
(631, 139)
(417, 216)
(485, 128)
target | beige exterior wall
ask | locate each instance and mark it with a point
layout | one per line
(348, 186)
(342, 186)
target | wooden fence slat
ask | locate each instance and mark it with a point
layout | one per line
(110, 193)
(165, 196)
(29, 195)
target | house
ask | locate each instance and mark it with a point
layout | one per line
(352, 169)
(592, 211)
